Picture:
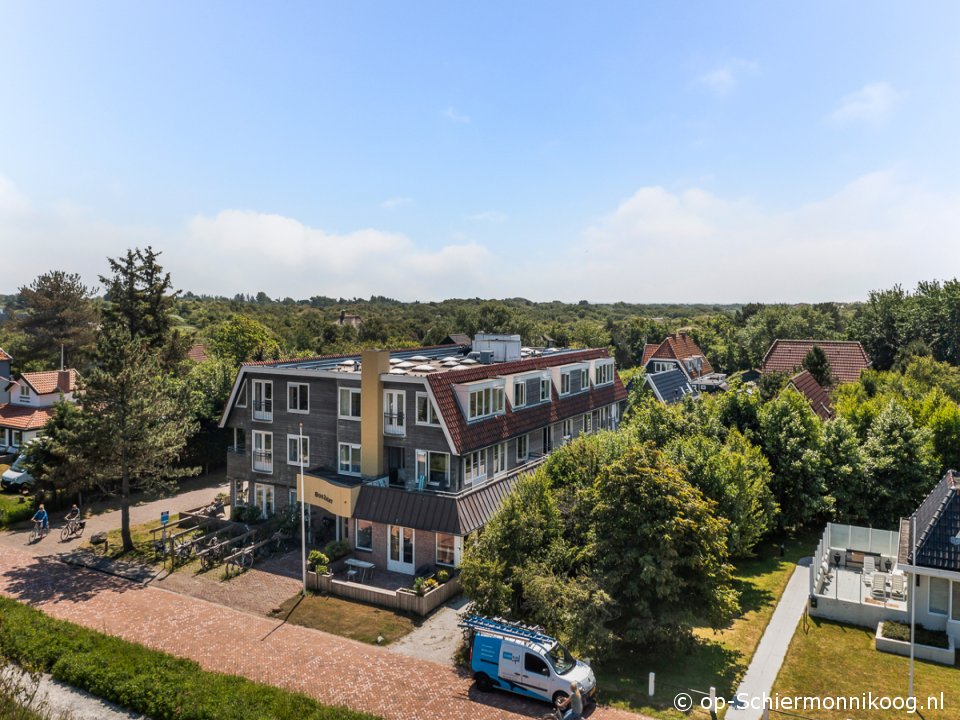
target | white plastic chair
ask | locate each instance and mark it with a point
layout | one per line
(869, 568)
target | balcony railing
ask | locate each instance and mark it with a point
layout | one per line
(394, 424)
(263, 461)
(263, 410)
(237, 449)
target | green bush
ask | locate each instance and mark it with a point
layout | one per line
(337, 549)
(16, 513)
(443, 576)
(923, 636)
(418, 584)
(145, 681)
(318, 561)
(245, 514)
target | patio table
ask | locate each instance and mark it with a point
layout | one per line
(359, 566)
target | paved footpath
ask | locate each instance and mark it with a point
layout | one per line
(331, 669)
(773, 646)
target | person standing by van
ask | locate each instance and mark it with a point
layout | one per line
(572, 707)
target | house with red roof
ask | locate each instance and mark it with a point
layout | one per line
(677, 367)
(404, 453)
(847, 358)
(30, 402)
(814, 392)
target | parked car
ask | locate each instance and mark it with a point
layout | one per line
(524, 660)
(16, 477)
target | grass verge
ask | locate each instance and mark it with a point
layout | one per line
(146, 681)
(346, 618)
(14, 508)
(718, 658)
(829, 659)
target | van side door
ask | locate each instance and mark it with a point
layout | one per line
(511, 663)
(536, 674)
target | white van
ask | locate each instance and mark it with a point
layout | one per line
(524, 660)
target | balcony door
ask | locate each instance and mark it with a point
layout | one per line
(394, 416)
(263, 400)
(400, 554)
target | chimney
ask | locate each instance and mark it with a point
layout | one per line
(374, 363)
(63, 381)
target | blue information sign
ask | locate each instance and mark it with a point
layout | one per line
(164, 517)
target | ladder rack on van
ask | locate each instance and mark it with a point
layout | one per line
(499, 626)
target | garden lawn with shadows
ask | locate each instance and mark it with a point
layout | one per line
(347, 618)
(826, 658)
(717, 658)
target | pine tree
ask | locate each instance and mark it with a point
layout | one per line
(58, 314)
(139, 297)
(816, 364)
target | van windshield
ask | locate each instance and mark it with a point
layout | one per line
(561, 659)
(18, 463)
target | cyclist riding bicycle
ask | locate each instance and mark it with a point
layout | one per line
(41, 518)
(74, 514)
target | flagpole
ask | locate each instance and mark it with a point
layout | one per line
(913, 590)
(303, 516)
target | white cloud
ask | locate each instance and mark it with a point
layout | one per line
(872, 104)
(453, 115)
(488, 216)
(724, 78)
(695, 246)
(395, 202)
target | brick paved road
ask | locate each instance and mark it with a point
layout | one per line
(332, 669)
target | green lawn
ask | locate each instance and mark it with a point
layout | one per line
(347, 618)
(828, 659)
(720, 658)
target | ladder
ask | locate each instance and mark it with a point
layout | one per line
(499, 626)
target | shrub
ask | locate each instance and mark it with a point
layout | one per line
(337, 549)
(923, 636)
(145, 681)
(443, 576)
(245, 514)
(430, 584)
(16, 514)
(418, 584)
(318, 561)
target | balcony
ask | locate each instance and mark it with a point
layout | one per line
(263, 461)
(263, 410)
(394, 424)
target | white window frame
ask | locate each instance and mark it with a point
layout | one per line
(474, 467)
(526, 448)
(587, 423)
(340, 409)
(520, 394)
(398, 399)
(294, 437)
(24, 390)
(433, 418)
(300, 387)
(265, 384)
(429, 464)
(353, 447)
(564, 384)
(485, 401)
(269, 494)
(545, 384)
(242, 394)
(584, 379)
(603, 373)
(567, 430)
(946, 611)
(253, 451)
(457, 549)
(356, 535)
(499, 459)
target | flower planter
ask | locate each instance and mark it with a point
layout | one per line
(944, 656)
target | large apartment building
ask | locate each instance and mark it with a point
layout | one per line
(407, 452)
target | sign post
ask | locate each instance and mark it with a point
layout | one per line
(164, 519)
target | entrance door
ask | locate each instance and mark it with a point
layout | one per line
(400, 556)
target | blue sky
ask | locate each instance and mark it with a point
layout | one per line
(611, 151)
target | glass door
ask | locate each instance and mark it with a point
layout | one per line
(393, 412)
(400, 555)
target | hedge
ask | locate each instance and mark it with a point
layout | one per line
(149, 682)
(901, 631)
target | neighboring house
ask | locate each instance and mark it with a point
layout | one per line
(407, 452)
(198, 353)
(679, 353)
(347, 319)
(5, 361)
(864, 575)
(814, 392)
(30, 404)
(847, 358)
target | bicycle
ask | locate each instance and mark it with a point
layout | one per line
(37, 533)
(73, 528)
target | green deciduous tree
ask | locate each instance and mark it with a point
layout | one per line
(844, 472)
(240, 339)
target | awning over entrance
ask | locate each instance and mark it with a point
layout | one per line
(336, 498)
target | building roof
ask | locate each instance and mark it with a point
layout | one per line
(648, 350)
(847, 358)
(49, 381)
(4, 355)
(453, 514)
(458, 339)
(198, 353)
(467, 436)
(669, 386)
(938, 528)
(24, 417)
(681, 347)
(814, 392)
(330, 362)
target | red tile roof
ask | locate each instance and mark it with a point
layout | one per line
(21, 417)
(847, 358)
(648, 350)
(816, 395)
(51, 381)
(468, 437)
(679, 346)
(198, 353)
(4, 355)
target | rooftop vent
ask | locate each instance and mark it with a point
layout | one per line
(502, 348)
